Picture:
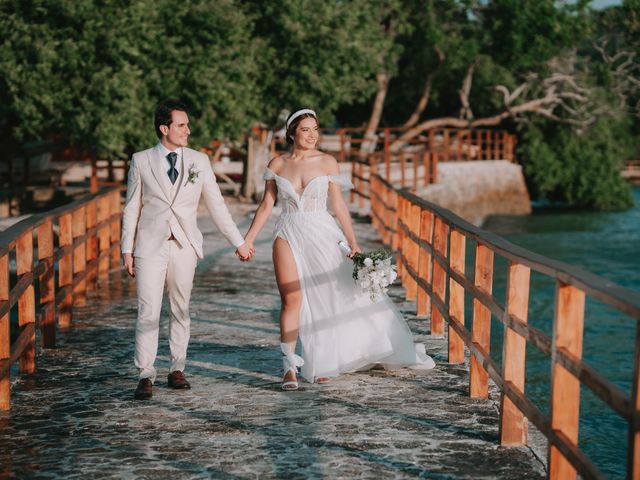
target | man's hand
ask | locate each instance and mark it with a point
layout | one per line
(245, 252)
(129, 264)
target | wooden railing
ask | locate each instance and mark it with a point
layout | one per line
(79, 241)
(422, 154)
(431, 246)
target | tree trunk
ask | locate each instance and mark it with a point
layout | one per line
(369, 141)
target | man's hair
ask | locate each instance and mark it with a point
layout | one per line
(163, 113)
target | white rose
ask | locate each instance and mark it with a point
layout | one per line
(368, 262)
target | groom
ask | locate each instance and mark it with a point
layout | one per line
(161, 241)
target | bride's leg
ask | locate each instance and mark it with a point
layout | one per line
(290, 294)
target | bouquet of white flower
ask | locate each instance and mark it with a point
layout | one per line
(372, 271)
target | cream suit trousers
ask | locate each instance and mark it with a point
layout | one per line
(176, 266)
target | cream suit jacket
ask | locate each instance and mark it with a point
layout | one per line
(152, 212)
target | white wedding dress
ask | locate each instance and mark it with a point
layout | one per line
(341, 329)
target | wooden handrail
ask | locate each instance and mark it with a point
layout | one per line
(431, 245)
(88, 243)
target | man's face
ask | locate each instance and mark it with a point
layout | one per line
(177, 133)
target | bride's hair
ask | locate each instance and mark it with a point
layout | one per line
(291, 129)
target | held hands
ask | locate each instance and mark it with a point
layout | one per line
(246, 251)
(129, 264)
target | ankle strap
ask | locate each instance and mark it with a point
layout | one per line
(290, 360)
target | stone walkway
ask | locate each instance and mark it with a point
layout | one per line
(76, 417)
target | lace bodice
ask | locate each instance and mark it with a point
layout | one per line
(313, 197)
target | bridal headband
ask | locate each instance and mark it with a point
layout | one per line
(297, 114)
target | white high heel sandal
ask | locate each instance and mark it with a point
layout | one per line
(290, 361)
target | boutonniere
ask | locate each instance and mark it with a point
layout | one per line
(192, 175)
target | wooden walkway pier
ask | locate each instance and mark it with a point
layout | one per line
(62, 293)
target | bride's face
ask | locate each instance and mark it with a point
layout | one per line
(307, 134)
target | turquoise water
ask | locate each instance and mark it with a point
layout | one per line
(607, 244)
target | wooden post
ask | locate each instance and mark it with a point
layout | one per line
(445, 145)
(394, 203)
(489, 150)
(440, 241)
(424, 262)
(568, 328)
(402, 169)
(427, 166)
(456, 296)
(115, 228)
(27, 301)
(413, 250)
(469, 145)
(103, 237)
(401, 247)
(633, 451)
(434, 167)
(47, 286)
(92, 241)
(65, 270)
(93, 180)
(387, 154)
(79, 227)
(458, 145)
(513, 424)
(479, 149)
(5, 334)
(496, 145)
(481, 328)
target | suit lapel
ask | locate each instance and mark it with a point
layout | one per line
(158, 169)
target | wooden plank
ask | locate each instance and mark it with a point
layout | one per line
(27, 301)
(47, 285)
(440, 241)
(5, 334)
(456, 296)
(481, 326)
(65, 270)
(424, 263)
(568, 329)
(513, 424)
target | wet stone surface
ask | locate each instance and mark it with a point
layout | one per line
(76, 417)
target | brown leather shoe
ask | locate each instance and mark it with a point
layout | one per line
(176, 380)
(144, 390)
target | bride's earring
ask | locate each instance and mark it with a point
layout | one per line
(290, 361)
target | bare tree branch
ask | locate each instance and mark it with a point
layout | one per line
(465, 110)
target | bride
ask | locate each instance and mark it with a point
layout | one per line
(340, 328)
